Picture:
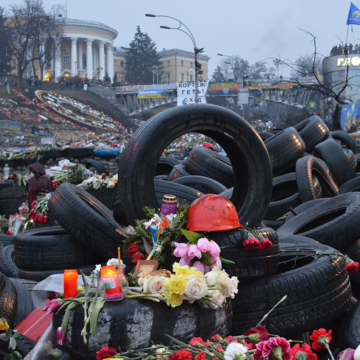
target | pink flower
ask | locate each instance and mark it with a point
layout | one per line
(199, 266)
(251, 243)
(217, 262)
(181, 250)
(274, 348)
(265, 244)
(214, 249)
(185, 261)
(52, 305)
(203, 244)
(194, 251)
(60, 336)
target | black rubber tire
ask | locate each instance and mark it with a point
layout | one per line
(332, 153)
(80, 152)
(6, 240)
(89, 221)
(149, 322)
(55, 153)
(308, 167)
(118, 211)
(274, 224)
(11, 190)
(182, 192)
(206, 162)
(10, 206)
(8, 300)
(265, 135)
(50, 249)
(294, 242)
(249, 264)
(201, 183)
(165, 165)
(23, 345)
(177, 172)
(335, 222)
(352, 185)
(357, 157)
(106, 196)
(284, 195)
(314, 132)
(299, 126)
(284, 149)
(351, 158)
(317, 287)
(345, 139)
(99, 167)
(25, 303)
(305, 206)
(349, 334)
(246, 151)
(353, 252)
(7, 262)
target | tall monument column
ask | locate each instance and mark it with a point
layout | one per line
(102, 59)
(73, 56)
(89, 59)
(80, 56)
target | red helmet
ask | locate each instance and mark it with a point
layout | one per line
(208, 145)
(212, 213)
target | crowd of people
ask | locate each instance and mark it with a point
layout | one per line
(345, 49)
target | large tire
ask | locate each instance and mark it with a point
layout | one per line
(165, 165)
(7, 262)
(10, 206)
(79, 152)
(51, 249)
(351, 158)
(201, 183)
(6, 240)
(246, 151)
(119, 213)
(335, 222)
(183, 193)
(136, 324)
(206, 162)
(317, 289)
(274, 224)
(306, 169)
(8, 300)
(99, 167)
(352, 185)
(305, 206)
(25, 303)
(106, 196)
(23, 345)
(345, 139)
(314, 132)
(332, 153)
(349, 334)
(284, 149)
(89, 221)
(353, 252)
(11, 190)
(265, 135)
(177, 172)
(249, 264)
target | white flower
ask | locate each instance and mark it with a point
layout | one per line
(110, 185)
(231, 288)
(115, 262)
(216, 297)
(196, 288)
(357, 353)
(216, 277)
(156, 218)
(153, 285)
(97, 269)
(233, 349)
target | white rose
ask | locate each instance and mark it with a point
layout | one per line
(153, 285)
(196, 288)
(216, 297)
(231, 287)
(211, 276)
(233, 349)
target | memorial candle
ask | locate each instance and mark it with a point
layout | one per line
(70, 283)
(111, 281)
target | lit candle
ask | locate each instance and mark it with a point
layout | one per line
(70, 283)
(111, 281)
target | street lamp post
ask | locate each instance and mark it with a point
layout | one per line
(196, 49)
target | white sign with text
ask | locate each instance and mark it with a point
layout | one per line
(186, 93)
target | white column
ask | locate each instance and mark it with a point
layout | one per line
(108, 59)
(112, 64)
(89, 59)
(80, 62)
(102, 59)
(57, 60)
(94, 58)
(73, 56)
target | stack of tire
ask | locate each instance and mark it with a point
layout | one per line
(11, 197)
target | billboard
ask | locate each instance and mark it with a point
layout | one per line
(151, 94)
(350, 117)
(223, 87)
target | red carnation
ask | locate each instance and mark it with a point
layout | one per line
(251, 243)
(274, 348)
(8, 232)
(257, 334)
(196, 340)
(320, 338)
(352, 267)
(136, 257)
(216, 337)
(105, 352)
(265, 244)
(200, 356)
(304, 348)
(133, 249)
(180, 355)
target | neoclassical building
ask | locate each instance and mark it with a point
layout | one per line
(87, 50)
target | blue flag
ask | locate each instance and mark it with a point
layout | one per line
(354, 15)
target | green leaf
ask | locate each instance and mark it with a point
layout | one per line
(12, 343)
(132, 239)
(94, 313)
(225, 261)
(343, 355)
(3, 336)
(193, 237)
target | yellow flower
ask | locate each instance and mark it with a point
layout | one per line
(185, 270)
(173, 299)
(175, 284)
(3, 325)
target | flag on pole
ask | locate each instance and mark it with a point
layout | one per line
(8, 87)
(354, 15)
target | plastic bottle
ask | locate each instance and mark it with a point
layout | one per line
(6, 172)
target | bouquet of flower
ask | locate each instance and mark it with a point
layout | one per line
(38, 213)
(101, 182)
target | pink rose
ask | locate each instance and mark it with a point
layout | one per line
(214, 249)
(217, 262)
(185, 261)
(203, 244)
(181, 250)
(199, 266)
(194, 251)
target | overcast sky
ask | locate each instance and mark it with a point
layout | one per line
(252, 29)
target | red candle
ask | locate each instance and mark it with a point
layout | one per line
(111, 281)
(70, 283)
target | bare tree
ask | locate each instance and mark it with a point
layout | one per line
(218, 74)
(304, 65)
(31, 29)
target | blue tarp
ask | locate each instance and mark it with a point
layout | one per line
(350, 116)
(107, 153)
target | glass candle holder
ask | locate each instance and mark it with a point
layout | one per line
(169, 205)
(70, 283)
(110, 278)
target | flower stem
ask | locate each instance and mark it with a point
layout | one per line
(271, 310)
(329, 351)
